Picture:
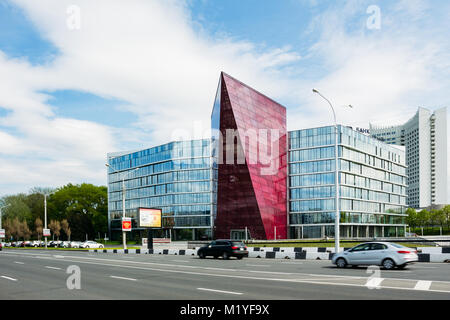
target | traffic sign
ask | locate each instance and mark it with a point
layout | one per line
(126, 224)
(2, 233)
(46, 233)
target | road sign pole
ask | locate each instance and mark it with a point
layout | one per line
(45, 217)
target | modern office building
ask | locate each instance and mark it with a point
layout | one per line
(175, 177)
(250, 149)
(372, 185)
(425, 139)
(254, 179)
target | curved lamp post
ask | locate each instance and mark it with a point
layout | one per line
(124, 234)
(336, 179)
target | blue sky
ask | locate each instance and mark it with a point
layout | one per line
(120, 75)
(19, 38)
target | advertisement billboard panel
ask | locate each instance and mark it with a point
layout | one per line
(149, 218)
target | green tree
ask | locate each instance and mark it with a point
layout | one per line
(446, 213)
(423, 218)
(84, 206)
(17, 207)
(412, 218)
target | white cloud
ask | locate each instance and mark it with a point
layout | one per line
(143, 52)
(147, 54)
(385, 74)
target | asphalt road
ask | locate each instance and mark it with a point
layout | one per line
(43, 275)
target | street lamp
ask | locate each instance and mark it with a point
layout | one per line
(336, 178)
(124, 234)
(45, 212)
(1, 208)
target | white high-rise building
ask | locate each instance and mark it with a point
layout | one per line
(425, 139)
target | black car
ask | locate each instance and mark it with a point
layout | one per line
(224, 249)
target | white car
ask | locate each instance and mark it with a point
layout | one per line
(65, 244)
(35, 244)
(386, 254)
(76, 244)
(91, 244)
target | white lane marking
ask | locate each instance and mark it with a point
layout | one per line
(186, 261)
(423, 285)
(220, 291)
(18, 262)
(256, 278)
(257, 265)
(328, 277)
(8, 278)
(55, 268)
(123, 278)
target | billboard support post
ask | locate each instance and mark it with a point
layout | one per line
(150, 238)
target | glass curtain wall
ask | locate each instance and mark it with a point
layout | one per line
(175, 177)
(372, 185)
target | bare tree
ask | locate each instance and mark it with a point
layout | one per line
(39, 227)
(26, 232)
(65, 227)
(17, 228)
(9, 228)
(55, 227)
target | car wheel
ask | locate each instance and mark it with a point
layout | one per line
(225, 256)
(87, 247)
(201, 255)
(402, 266)
(341, 263)
(388, 264)
(240, 257)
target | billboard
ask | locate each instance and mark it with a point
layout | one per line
(46, 232)
(2, 233)
(149, 218)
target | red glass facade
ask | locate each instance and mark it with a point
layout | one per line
(251, 193)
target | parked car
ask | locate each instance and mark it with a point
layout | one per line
(386, 254)
(91, 244)
(65, 244)
(75, 244)
(224, 249)
(1, 246)
(35, 244)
